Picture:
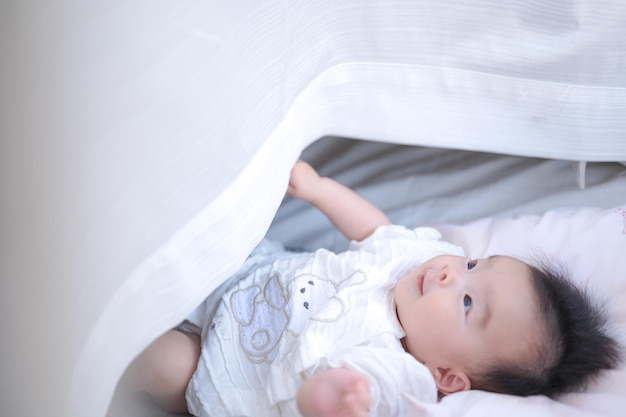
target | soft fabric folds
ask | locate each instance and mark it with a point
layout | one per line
(145, 143)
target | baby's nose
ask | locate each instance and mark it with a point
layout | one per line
(448, 276)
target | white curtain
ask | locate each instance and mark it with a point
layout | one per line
(146, 144)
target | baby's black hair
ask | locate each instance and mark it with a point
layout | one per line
(575, 345)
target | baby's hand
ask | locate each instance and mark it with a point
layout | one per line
(337, 392)
(304, 182)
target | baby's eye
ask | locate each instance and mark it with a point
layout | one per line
(471, 264)
(467, 303)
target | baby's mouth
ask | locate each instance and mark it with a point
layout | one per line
(420, 283)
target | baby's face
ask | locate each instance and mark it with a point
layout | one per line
(461, 314)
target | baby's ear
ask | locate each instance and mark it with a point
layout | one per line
(450, 380)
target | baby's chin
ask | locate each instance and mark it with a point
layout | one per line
(404, 346)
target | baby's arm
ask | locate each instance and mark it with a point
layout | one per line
(351, 214)
(338, 392)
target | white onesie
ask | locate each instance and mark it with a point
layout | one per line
(289, 315)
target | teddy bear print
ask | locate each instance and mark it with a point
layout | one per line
(264, 313)
(311, 297)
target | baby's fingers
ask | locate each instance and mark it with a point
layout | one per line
(358, 401)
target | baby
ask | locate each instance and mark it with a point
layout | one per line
(324, 334)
